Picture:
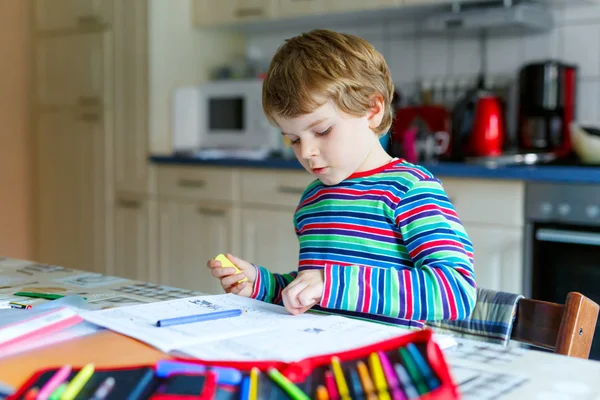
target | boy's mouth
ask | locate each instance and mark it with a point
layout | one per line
(318, 171)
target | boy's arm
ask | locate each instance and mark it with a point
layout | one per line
(441, 285)
(268, 286)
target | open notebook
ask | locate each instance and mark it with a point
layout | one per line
(263, 332)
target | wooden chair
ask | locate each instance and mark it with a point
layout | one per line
(564, 328)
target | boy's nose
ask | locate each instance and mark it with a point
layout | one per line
(308, 149)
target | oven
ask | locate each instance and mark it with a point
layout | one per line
(562, 249)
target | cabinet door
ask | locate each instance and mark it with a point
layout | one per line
(131, 237)
(131, 96)
(190, 235)
(356, 5)
(72, 14)
(295, 8)
(74, 71)
(223, 12)
(72, 210)
(269, 239)
(498, 254)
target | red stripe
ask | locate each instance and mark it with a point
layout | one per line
(435, 243)
(367, 302)
(407, 284)
(417, 210)
(326, 287)
(451, 298)
(352, 193)
(350, 227)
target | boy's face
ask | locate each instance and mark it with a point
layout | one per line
(332, 145)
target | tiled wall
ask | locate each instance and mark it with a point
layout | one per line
(412, 56)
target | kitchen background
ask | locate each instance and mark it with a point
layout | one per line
(90, 179)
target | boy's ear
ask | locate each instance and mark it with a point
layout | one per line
(375, 113)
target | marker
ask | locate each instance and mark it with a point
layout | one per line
(31, 394)
(55, 381)
(254, 383)
(340, 380)
(104, 389)
(198, 318)
(22, 306)
(245, 389)
(357, 390)
(226, 263)
(292, 390)
(407, 385)
(322, 393)
(390, 376)
(78, 382)
(367, 382)
(224, 375)
(49, 296)
(58, 392)
(141, 385)
(330, 385)
(413, 371)
(378, 377)
(426, 370)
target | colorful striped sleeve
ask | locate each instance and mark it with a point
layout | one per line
(441, 282)
(268, 286)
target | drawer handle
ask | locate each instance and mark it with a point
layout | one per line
(89, 20)
(129, 203)
(289, 190)
(212, 212)
(89, 101)
(87, 117)
(190, 183)
(249, 12)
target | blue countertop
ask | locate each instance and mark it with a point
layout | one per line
(538, 173)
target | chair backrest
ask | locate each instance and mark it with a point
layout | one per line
(564, 328)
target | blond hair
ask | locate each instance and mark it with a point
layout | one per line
(324, 64)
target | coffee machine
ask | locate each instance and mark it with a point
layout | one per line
(546, 107)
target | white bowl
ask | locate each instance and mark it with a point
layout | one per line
(586, 145)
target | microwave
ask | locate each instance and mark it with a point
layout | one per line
(222, 114)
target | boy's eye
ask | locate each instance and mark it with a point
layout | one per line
(295, 141)
(325, 132)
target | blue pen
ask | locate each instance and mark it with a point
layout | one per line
(357, 388)
(245, 389)
(225, 375)
(199, 318)
(426, 370)
(141, 385)
(409, 389)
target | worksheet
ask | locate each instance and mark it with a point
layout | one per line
(262, 331)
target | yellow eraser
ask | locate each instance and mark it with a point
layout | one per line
(226, 263)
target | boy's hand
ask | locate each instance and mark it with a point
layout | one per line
(229, 279)
(303, 292)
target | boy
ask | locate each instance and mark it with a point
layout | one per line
(378, 236)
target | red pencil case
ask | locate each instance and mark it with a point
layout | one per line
(308, 373)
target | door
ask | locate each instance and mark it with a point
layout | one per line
(222, 12)
(132, 235)
(189, 235)
(498, 256)
(71, 190)
(72, 14)
(269, 239)
(74, 71)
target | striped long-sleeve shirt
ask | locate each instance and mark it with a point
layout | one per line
(391, 246)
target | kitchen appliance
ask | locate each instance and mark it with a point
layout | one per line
(222, 114)
(478, 127)
(546, 106)
(586, 143)
(562, 243)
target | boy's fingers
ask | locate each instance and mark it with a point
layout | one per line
(233, 279)
(222, 272)
(236, 289)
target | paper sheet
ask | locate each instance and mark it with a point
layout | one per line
(264, 331)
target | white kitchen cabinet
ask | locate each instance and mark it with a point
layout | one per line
(225, 12)
(71, 203)
(358, 5)
(269, 239)
(133, 238)
(498, 256)
(189, 235)
(74, 71)
(296, 8)
(72, 14)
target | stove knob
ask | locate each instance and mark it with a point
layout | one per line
(564, 209)
(546, 208)
(592, 211)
